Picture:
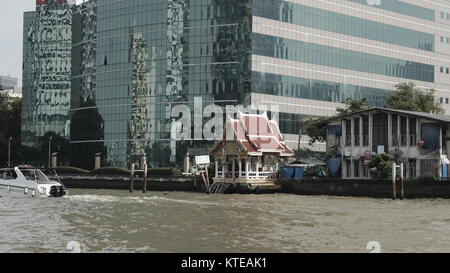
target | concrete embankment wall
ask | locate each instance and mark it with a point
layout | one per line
(366, 188)
(123, 183)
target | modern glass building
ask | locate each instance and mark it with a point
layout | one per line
(7, 83)
(46, 85)
(132, 61)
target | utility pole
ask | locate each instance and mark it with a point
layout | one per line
(9, 151)
(50, 152)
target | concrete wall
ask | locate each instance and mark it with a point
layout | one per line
(123, 183)
(359, 188)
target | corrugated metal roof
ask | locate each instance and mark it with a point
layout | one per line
(434, 117)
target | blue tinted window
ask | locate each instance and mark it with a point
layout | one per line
(400, 7)
(287, 86)
(344, 24)
(336, 57)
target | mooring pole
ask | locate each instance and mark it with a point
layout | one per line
(207, 180)
(394, 177)
(402, 194)
(145, 179)
(132, 177)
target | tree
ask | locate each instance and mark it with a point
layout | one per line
(10, 123)
(310, 128)
(382, 164)
(410, 98)
(353, 106)
(319, 134)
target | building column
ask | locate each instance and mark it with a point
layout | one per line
(257, 168)
(233, 168)
(240, 167)
(246, 168)
(224, 169)
(352, 166)
(390, 143)
(399, 130)
(371, 132)
(352, 132)
(361, 131)
(407, 133)
(344, 133)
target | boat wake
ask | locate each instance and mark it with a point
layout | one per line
(111, 199)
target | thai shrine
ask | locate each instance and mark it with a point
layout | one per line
(251, 152)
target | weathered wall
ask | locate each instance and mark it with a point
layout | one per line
(361, 188)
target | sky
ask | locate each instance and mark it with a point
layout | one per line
(11, 29)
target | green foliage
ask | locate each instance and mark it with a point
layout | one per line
(308, 154)
(111, 171)
(314, 133)
(353, 106)
(70, 170)
(10, 126)
(164, 172)
(317, 134)
(382, 163)
(316, 171)
(410, 98)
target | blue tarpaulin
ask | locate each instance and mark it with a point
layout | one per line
(444, 171)
(334, 165)
(431, 136)
(287, 172)
(299, 172)
(334, 129)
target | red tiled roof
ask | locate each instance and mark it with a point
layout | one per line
(256, 133)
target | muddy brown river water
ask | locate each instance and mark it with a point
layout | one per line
(115, 221)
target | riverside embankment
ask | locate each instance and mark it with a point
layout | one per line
(367, 188)
(330, 187)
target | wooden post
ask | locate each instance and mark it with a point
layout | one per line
(207, 180)
(217, 168)
(145, 179)
(402, 195)
(208, 188)
(132, 177)
(394, 177)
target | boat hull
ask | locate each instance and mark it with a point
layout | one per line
(15, 191)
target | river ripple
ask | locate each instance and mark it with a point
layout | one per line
(115, 221)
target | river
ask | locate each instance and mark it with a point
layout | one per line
(115, 221)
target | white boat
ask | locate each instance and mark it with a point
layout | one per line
(28, 182)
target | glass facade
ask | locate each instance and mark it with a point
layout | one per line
(134, 60)
(401, 7)
(46, 77)
(339, 23)
(102, 77)
(281, 48)
(286, 86)
(7, 83)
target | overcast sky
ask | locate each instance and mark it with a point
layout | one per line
(11, 28)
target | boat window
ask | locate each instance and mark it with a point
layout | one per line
(36, 176)
(29, 174)
(41, 177)
(8, 174)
